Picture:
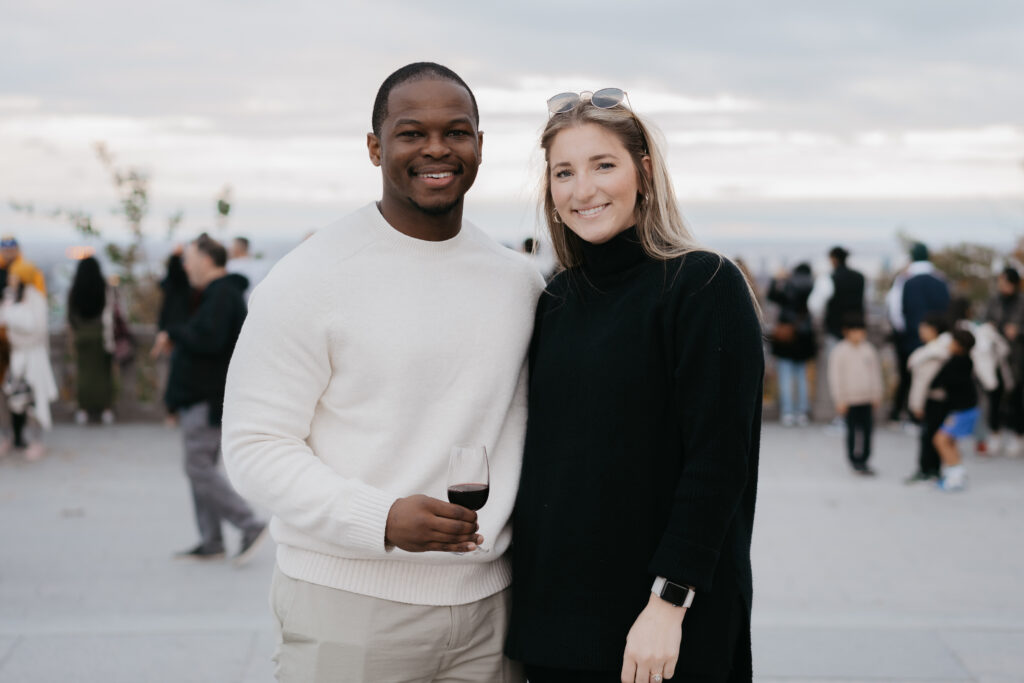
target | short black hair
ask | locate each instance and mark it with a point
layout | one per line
(212, 248)
(839, 254)
(853, 320)
(1011, 275)
(417, 71)
(803, 268)
(964, 338)
(244, 241)
(938, 321)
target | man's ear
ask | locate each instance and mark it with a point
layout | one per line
(373, 147)
(480, 146)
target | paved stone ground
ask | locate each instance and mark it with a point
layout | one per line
(856, 580)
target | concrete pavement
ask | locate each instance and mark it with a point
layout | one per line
(855, 579)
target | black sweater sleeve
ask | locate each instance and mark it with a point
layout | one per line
(719, 366)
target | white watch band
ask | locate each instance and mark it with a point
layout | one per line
(658, 588)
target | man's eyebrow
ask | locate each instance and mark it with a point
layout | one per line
(414, 122)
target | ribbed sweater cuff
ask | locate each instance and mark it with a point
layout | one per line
(369, 508)
(684, 561)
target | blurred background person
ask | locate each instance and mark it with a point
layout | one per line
(919, 290)
(91, 319)
(10, 256)
(29, 385)
(928, 409)
(1005, 312)
(855, 380)
(241, 262)
(178, 300)
(836, 295)
(792, 341)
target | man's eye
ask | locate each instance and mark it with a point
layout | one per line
(410, 134)
(458, 133)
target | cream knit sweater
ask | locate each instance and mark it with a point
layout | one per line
(366, 355)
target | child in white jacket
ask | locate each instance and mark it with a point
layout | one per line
(924, 363)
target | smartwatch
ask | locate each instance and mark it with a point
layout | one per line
(678, 595)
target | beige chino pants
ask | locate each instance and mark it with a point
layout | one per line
(327, 635)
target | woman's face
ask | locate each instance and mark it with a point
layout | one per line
(593, 182)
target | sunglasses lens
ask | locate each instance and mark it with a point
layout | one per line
(563, 102)
(606, 98)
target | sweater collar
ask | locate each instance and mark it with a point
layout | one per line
(617, 255)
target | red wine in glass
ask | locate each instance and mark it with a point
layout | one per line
(469, 477)
(472, 496)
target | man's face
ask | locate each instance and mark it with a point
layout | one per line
(9, 254)
(429, 146)
(1006, 288)
(197, 266)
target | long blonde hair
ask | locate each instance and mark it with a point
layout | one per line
(659, 225)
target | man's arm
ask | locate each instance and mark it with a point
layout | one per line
(280, 368)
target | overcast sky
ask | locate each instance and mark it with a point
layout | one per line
(759, 101)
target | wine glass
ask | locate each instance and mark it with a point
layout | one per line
(469, 477)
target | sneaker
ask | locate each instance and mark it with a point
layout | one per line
(919, 477)
(107, 417)
(788, 420)
(251, 541)
(948, 484)
(35, 451)
(1012, 447)
(864, 471)
(81, 417)
(200, 552)
(802, 420)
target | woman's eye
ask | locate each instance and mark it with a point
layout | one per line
(564, 173)
(605, 165)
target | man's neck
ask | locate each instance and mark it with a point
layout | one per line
(214, 275)
(420, 225)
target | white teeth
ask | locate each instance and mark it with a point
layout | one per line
(448, 174)
(590, 212)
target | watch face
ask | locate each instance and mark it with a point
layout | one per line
(674, 593)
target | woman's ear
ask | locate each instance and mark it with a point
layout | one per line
(645, 163)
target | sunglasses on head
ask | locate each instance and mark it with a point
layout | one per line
(605, 98)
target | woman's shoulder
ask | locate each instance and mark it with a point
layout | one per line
(699, 269)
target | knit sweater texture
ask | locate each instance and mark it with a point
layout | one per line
(366, 356)
(641, 459)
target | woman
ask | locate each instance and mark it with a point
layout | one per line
(29, 385)
(640, 461)
(793, 341)
(91, 318)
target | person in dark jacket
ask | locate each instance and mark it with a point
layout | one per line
(90, 317)
(955, 383)
(201, 349)
(792, 341)
(919, 290)
(1005, 311)
(837, 295)
(633, 521)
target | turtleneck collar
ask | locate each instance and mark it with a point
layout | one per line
(617, 255)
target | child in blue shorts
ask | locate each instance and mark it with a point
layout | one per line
(955, 382)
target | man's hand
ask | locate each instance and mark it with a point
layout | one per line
(421, 523)
(652, 646)
(161, 345)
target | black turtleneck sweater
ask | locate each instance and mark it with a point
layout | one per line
(640, 459)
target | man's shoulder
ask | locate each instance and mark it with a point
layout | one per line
(500, 256)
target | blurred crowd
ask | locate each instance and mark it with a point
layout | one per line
(959, 367)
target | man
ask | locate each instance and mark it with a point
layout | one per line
(837, 295)
(919, 290)
(239, 261)
(202, 348)
(371, 350)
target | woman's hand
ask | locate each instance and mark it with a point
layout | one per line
(652, 646)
